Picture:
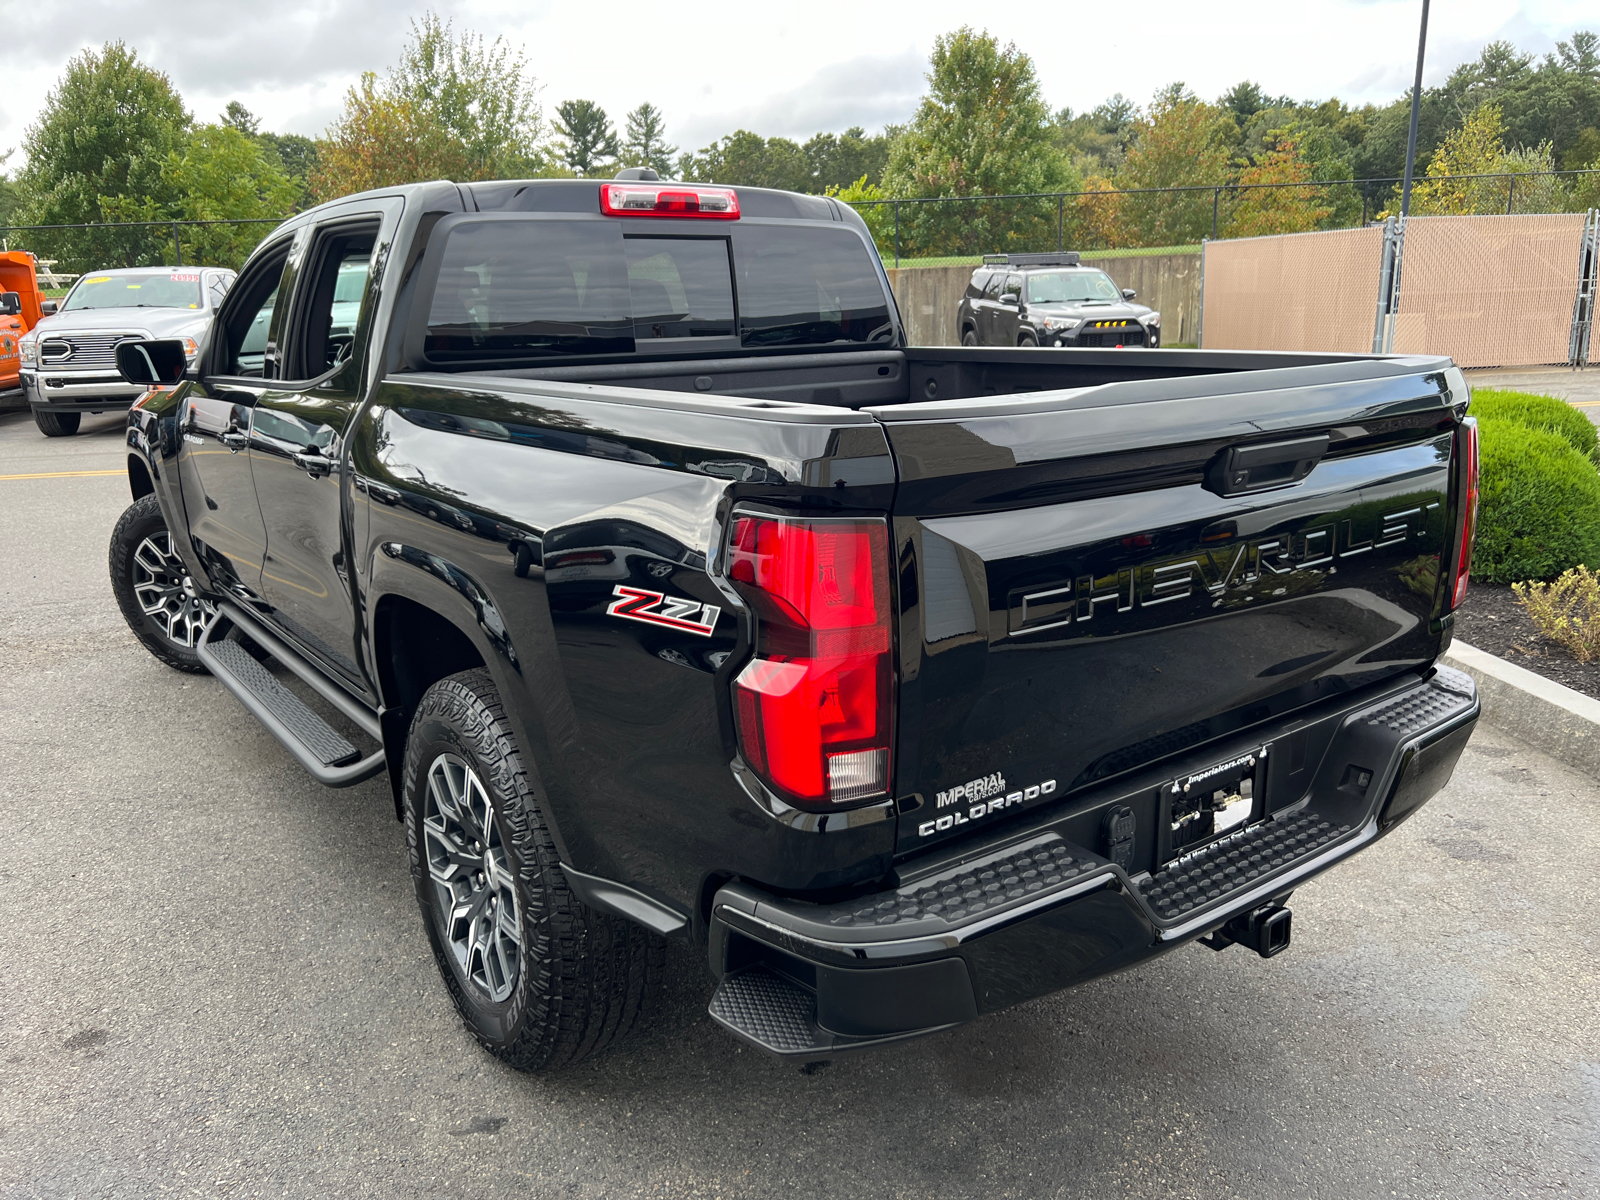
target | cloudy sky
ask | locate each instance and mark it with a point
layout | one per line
(789, 69)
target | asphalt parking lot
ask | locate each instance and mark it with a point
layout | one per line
(214, 982)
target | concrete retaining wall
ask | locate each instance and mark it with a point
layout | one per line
(1170, 283)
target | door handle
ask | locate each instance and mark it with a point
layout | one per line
(312, 462)
(1240, 469)
(234, 438)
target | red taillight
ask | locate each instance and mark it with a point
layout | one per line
(814, 706)
(1469, 517)
(668, 200)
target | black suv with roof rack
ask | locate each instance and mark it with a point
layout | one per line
(1051, 300)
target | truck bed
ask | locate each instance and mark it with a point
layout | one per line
(863, 378)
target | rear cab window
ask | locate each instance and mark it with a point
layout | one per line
(514, 289)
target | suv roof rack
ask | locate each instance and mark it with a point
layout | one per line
(1066, 258)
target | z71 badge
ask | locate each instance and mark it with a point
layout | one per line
(672, 611)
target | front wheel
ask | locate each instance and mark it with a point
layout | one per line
(1028, 340)
(539, 979)
(153, 587)
(54, 424)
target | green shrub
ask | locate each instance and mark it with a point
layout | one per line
(1566, 611)
(1539, 505)
(1538, 412)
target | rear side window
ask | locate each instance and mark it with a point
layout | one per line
(975, 287)
(807, 286)
(530, 289)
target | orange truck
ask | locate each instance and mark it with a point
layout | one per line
(22, 306)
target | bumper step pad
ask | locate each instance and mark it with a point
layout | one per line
(1217, 871)
(982, 886)
(762, 1007)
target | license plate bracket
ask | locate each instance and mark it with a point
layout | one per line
(1199, 808)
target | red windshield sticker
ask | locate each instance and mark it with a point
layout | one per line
(186, 279)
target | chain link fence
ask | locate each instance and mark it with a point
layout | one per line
(92, 246)
(937, 231)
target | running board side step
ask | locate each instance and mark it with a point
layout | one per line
(323, 751)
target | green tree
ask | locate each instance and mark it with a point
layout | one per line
(481, 93)
(879, 217)
(380, 140)
(646, 144)
(982, 129)
(840, 161)
(1478, 149)
(453, 107)
(745, 159)
(1096, 141)
(297, 155)
(221, 174)
(588, 140)
(103, 136)
(10, 194)
(1182, 142)
(1277, 208)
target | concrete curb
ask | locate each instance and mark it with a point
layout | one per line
(1563, 723)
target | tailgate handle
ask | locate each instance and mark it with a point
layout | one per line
(1240, 469)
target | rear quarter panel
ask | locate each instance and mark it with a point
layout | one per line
(518, 509)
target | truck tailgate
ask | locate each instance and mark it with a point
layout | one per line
(1092, 580)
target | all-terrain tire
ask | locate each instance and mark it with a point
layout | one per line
(584, 977)
(57, 424)
(169, 630)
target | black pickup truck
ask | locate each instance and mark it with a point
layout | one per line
(677, 595)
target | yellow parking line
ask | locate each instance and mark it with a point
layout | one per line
(1584, 403)
(63, 474)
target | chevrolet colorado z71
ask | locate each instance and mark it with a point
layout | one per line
(676, 595)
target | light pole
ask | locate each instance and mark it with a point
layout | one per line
(1416, 105)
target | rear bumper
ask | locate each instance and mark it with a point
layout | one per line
(1016, 918)
(78, 391)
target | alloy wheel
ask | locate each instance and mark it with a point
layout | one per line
(162, 587)
(474, 885)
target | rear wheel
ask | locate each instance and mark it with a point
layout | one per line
(539, 979)
(969, 337)
(153, 588)
(54, 424)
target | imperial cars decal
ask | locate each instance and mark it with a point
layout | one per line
(997, 799)
(674, 612)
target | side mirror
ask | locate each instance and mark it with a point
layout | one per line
(47, 308)
(1010, 298)
(151, 364)
(10, 304)
(1128, 293)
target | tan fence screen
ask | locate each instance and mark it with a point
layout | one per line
(1488, 291)
(1297, 291)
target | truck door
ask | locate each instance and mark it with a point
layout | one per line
(218, 490)
(988, 309)
(1007, 319)
(298, 438)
